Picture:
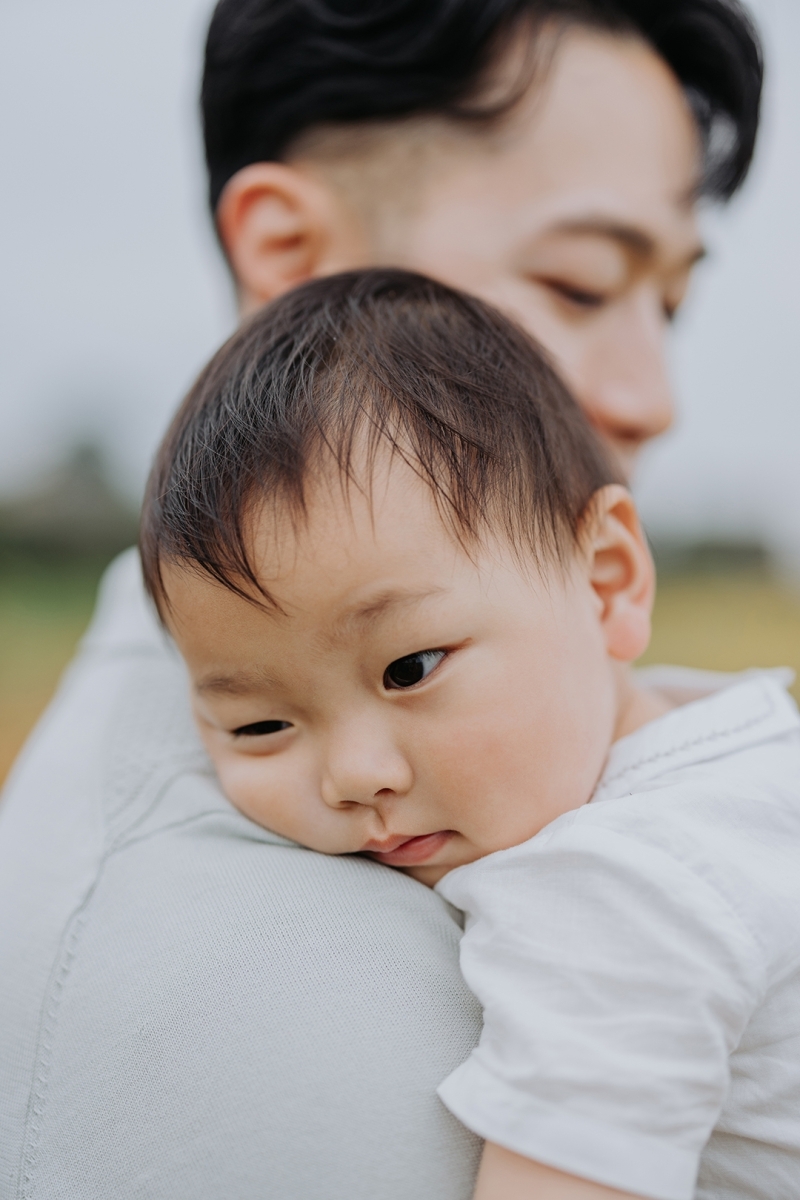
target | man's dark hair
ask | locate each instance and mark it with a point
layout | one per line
(277, 68)
(341, 369)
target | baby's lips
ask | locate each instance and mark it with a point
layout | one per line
(388, 845)
(408, 852)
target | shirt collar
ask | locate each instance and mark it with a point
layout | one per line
(741, 711)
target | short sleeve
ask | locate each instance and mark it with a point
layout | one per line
(615, 983)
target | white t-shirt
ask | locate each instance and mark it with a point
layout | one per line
(638, 962)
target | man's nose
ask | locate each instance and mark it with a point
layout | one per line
(363, 766)
(626, 389)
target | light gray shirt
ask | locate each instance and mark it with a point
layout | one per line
(192, 1008)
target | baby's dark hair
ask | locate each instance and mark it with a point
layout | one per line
(345, 367)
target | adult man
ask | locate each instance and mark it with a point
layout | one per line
(169, 1024)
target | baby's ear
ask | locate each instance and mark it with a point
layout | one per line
(621, 571)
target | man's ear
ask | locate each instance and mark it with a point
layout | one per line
(621, 571)
(280, 225)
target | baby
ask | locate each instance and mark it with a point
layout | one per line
(408, 587)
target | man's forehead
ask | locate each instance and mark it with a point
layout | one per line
(611, 145)
(593, 98)
(643, 207)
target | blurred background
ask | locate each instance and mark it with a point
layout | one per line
(113, 294)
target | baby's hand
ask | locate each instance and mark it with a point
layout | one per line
(504, 1175)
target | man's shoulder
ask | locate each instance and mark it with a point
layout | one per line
(225, 1014)
(188, 999)
(125, 617)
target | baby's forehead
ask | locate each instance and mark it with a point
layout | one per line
(358, 552)
(382, 516)
(380, 512)
(465, 428)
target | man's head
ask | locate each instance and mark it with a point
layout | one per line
(397, 562)
(543, 154)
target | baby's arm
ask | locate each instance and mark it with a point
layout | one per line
(504, 1175)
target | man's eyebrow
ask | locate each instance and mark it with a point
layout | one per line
(631, 238)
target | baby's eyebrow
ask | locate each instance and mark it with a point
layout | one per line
(237, 683)
(382, 604)
(365, 613)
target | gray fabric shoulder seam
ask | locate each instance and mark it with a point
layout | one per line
(48, 1024)
(59, 976)
(195, 819)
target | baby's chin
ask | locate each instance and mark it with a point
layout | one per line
(429, 875)
(455, 855)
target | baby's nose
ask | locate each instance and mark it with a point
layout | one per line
(363, 770)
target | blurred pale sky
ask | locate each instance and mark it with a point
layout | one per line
(112, 291)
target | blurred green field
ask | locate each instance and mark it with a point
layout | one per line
(723, 620)
(727, 622)
(44, 608)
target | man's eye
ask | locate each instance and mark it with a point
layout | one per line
(576, 295)
(671, 310)
(405, 672)
(259, 728)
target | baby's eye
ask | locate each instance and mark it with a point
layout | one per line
(405, 672)
(259, 728)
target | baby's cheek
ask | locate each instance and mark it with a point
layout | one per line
(468, 762)
(246, 783)
(488, 776)
(279, 796)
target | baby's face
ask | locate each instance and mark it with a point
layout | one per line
(409, 700)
